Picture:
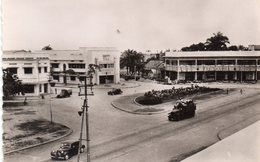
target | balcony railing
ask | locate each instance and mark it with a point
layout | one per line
(194, 68)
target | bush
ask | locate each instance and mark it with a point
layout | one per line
(148, 100)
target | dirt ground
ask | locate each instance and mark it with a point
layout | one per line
(23, 127)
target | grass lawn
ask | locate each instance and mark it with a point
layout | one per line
(23, 127)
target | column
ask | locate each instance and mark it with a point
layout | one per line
(196, 72)
(215, 69)
(256, 77)
(178, 72)
(235, 76)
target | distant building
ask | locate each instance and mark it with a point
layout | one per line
(213, 65)
(154, 68)
(254, 47)
(31, 68)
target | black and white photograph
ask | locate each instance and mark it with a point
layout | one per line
(130, 80)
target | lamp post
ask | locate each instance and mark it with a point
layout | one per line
(50, 101)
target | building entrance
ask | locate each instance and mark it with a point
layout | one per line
(106, 79)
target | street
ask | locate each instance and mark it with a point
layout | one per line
(118, 136)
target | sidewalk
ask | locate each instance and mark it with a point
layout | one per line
(242, 146)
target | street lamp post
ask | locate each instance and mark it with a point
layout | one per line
(50, 102)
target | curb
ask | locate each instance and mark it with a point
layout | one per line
(138, 113)
(226, 132)
(43, 143)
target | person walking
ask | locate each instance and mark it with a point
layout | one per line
(227, 90)
(241, 91)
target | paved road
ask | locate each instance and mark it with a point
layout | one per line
(119, 136)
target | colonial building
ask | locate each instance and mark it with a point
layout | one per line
(31, 68)
(213, 65)
(70, 66)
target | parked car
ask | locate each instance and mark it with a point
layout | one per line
(115, 91)
(64, 93)
(67, 150)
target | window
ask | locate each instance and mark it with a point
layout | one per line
(73, 78)
(246, 62)
(55, 65)
(29, 88)
(12, 63)
(81, 78)
(56, 77)
(12, 70)
(110, 65)
(104, 66)
(28, 70)
(45, 86)
(77, 66)
(106, 57)
(45, 69)
(39, 69)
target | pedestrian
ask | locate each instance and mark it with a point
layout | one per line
(241, 91)
(55, 90)
(227, 90)
(25, 99)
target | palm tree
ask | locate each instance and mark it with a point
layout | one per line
(47, 47)
(132, 60)
(217, 42)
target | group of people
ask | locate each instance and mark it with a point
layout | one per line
(178, 92)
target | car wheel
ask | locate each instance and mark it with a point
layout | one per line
(81, 150)
(67, 157)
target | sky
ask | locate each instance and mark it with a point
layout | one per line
(127, 24)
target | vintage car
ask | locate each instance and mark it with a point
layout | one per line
(66, 150)
(115, 91)
(64, 93)
(182, 109)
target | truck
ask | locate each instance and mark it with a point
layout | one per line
(183, 109)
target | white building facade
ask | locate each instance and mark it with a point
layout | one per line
(213, 65)
(70, 66)
(31, 68)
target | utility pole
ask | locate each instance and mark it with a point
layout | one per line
(84, 114)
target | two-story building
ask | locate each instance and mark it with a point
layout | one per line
(31, 68)
(213, 65)
(70, 66)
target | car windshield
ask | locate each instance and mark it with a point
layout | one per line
(65, 146)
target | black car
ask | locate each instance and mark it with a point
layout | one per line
(67, 150)
(64, 93)
(115, 91)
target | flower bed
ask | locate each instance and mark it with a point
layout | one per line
(156, 97)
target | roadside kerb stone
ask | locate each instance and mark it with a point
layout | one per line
(237, 127)
(43, 143)
(133, 106)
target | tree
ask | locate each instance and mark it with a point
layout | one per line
(195, 47)
(47, 47)
(11, 84)
(132, 60)
(233, 48)
(217, 42)
(242, 48)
